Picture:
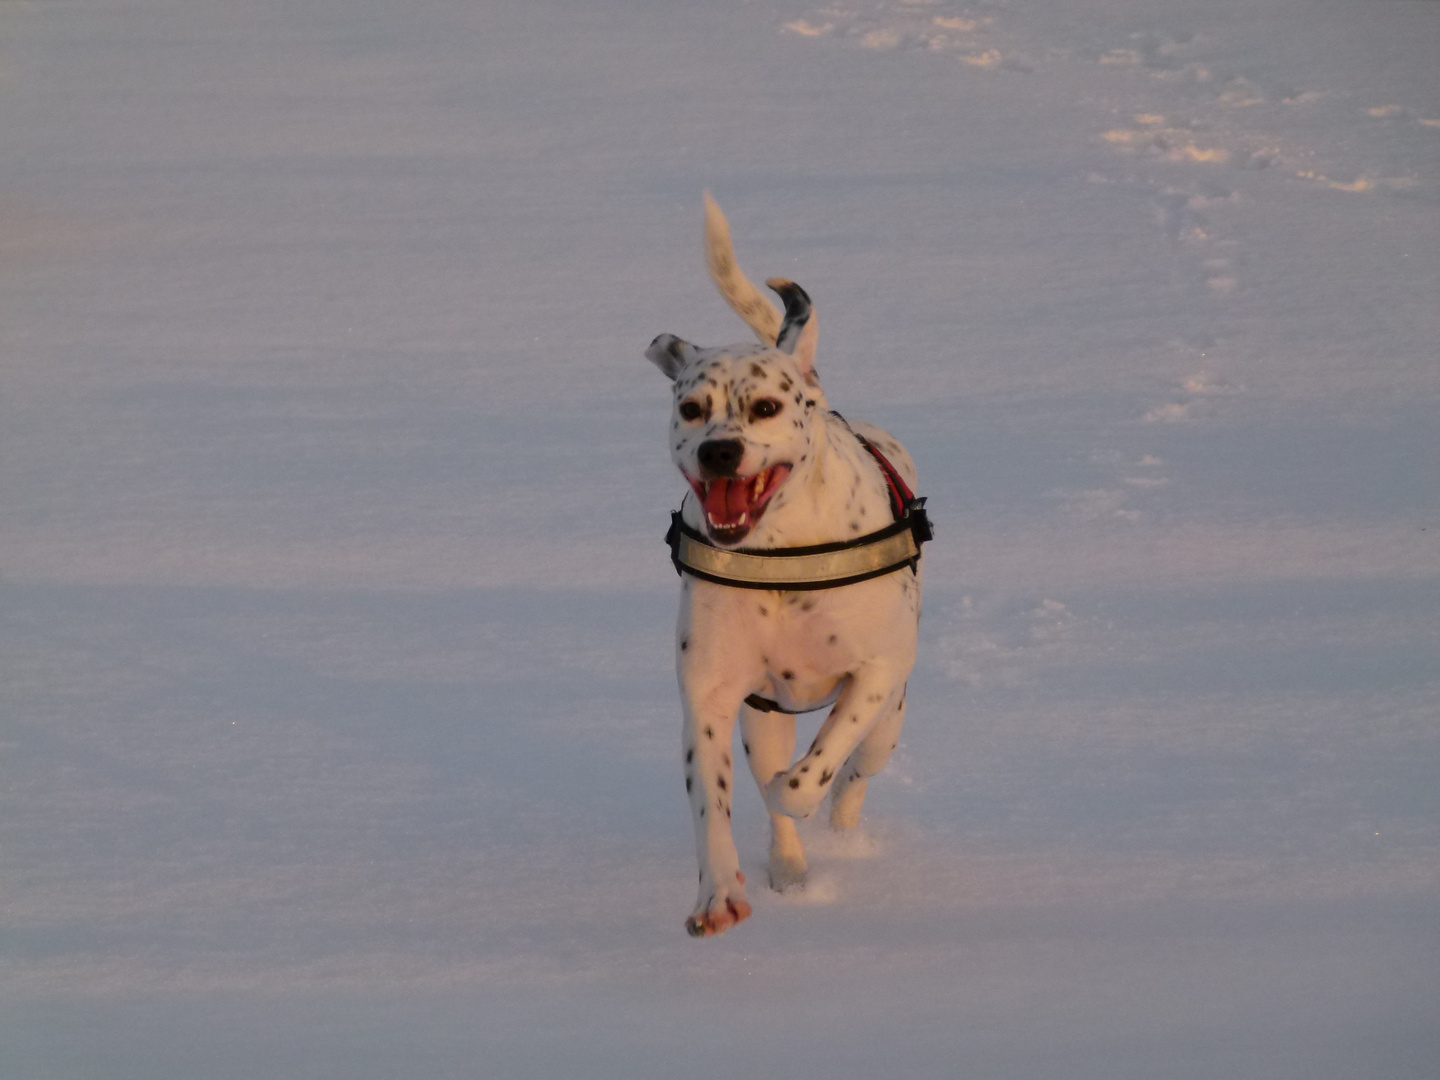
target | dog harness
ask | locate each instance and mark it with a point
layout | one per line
(819, 566)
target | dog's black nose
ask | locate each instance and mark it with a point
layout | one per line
(721, 457)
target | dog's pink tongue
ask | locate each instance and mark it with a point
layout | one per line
(726, 500)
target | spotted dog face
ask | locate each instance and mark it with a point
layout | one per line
(741, 425)
(742, 417)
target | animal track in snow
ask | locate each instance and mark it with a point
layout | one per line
(1197, 397)
(1189, 143)
(1205, 258)
(930, 26)
(1223, 123)
(1215, 116)
(1177, 126)
(1400, 112)
(1211, 261)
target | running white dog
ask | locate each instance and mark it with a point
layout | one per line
(801, 581)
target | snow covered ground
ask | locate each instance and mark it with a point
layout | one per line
(338, 732)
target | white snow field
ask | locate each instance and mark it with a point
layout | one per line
(338, 728)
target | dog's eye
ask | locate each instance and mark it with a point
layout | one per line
(691, 410)
(764, 408)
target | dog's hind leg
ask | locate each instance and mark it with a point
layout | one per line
(769, 741)
(869, 698)
(872, 755)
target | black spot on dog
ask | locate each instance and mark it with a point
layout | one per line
(794, 783)
(689, 756)
(764, 610)
(787, 675)
(833, 639)
(684, 644)
(804, 768)
(825, 777)
(725, 760)
(709, 732)
(854, 526)
(757, 371)
(746, 745)
(723, 785)
(689, 782)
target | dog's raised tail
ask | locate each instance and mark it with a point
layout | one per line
(749, 303)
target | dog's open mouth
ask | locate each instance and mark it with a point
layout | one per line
(733, 505)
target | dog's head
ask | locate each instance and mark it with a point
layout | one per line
(744, 416)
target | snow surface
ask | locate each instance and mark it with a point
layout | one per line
(338, 732)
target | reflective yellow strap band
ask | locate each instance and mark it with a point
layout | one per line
(890, 553)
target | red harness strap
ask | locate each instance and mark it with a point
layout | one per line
(900, 494)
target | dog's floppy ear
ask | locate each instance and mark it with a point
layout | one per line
(669, 353)
(800, 333)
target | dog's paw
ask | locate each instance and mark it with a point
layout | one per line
(787, 872)
(847, 803)
(796, 794)
(720, 907)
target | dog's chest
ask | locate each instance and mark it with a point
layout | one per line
(808, 642)
(806, 651)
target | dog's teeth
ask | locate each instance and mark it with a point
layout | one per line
(759, 484)
(743, 518)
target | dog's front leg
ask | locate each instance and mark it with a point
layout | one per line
(710, 779)
(869, 695)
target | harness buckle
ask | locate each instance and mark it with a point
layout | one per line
(919, 521)
(672, 541)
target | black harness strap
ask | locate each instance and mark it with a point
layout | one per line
(764, 704)
(908, 511)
